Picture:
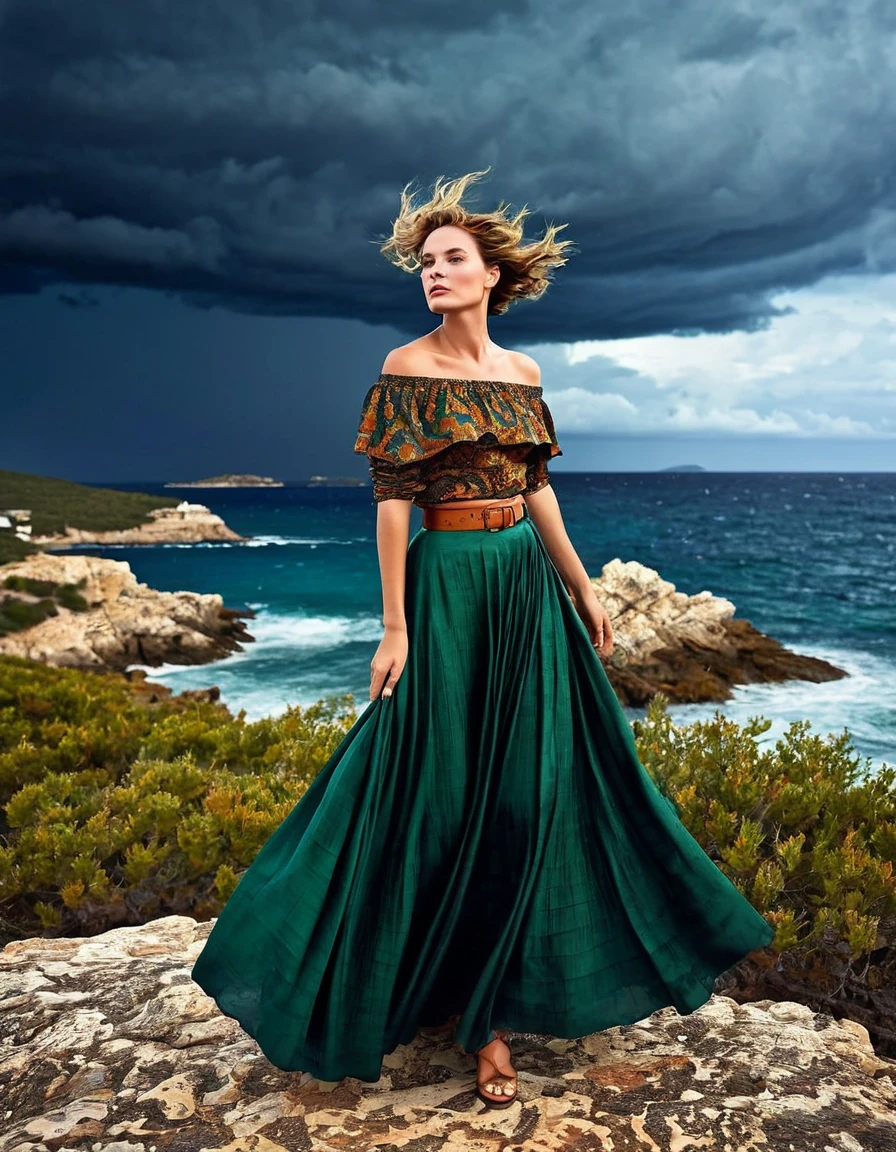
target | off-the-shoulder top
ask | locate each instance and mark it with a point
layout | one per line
(432, 439)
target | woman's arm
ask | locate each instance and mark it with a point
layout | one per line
(393, 521)
(546, 516)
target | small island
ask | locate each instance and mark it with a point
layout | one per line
(228, 480)
(684, 468)
(335, 482)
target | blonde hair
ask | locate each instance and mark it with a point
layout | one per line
(524, 268)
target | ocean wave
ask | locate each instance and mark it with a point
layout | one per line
(278, 633)
(307, 541)
(856, 702)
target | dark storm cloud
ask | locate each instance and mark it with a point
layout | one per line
(245, 154)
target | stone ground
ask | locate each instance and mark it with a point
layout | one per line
(106, 1045)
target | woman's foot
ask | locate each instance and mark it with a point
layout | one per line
(496, 1083)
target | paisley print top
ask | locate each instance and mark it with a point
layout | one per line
(432, 439)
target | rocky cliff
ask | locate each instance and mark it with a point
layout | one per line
(108, 1046)
(688, 647)
(125, 622)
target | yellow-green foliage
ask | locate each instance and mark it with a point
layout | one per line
(801, 827)
(117, 811)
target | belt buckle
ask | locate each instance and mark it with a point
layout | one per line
(502, 509)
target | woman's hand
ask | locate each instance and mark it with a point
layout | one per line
(388, 662)
(594, 616)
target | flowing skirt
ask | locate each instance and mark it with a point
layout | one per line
(484, 844)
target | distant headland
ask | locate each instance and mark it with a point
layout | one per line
(335, 482)
(228, 480)
(40, 513)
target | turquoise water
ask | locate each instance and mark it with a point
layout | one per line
(806, 557)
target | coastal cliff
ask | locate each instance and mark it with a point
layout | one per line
(107, 1044)
(688, 647)
(47, 512)
(115, 620)
(185, 524)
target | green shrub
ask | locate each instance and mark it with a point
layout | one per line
(805, 832)
(117, 812)
(808, 835)
(13, 548)
(30, 585)
(67, 596)
(16, 615)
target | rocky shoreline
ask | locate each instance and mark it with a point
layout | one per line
(185, 524)
(107, 1044)
(687, 647)
(123, 622)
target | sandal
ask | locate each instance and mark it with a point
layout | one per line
(504, 1082)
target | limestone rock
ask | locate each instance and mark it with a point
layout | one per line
(184, 524)
(127, 622)
(688, 647)
(106, 1045)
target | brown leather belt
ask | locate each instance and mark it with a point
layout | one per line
(458, 514)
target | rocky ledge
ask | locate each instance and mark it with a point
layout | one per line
(184, 524)
(687, 647)
(107, 1045)
(124, 622)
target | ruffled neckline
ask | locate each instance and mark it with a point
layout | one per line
(409, 418)
(392, 378)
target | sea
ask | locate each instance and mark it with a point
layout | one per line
(808, 558)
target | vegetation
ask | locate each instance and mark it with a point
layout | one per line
(116, 811)
(55, 503)
(47, 596)
(808, 834)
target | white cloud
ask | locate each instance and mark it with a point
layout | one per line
(579, 410)
(826, 368)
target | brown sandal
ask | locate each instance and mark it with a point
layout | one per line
(501, 1080)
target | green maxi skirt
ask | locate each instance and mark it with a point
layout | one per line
(483, 843)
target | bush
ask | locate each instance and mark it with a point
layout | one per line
(17, 614)
(117, 811)
(808, 835)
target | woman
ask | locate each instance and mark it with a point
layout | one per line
(484, 843)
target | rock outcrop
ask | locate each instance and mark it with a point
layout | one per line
(125, 623)
(185, 524)
(688, 647)
(107, 1045)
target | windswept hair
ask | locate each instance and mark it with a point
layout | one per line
(524, 268)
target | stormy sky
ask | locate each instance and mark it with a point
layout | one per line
(191, 195)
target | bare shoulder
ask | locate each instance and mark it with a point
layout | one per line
(528, 370)
(417, 358)
(406, 360)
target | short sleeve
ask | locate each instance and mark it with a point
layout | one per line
(395, 481)
(537, 475)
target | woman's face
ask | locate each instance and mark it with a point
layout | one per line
(453, 265)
